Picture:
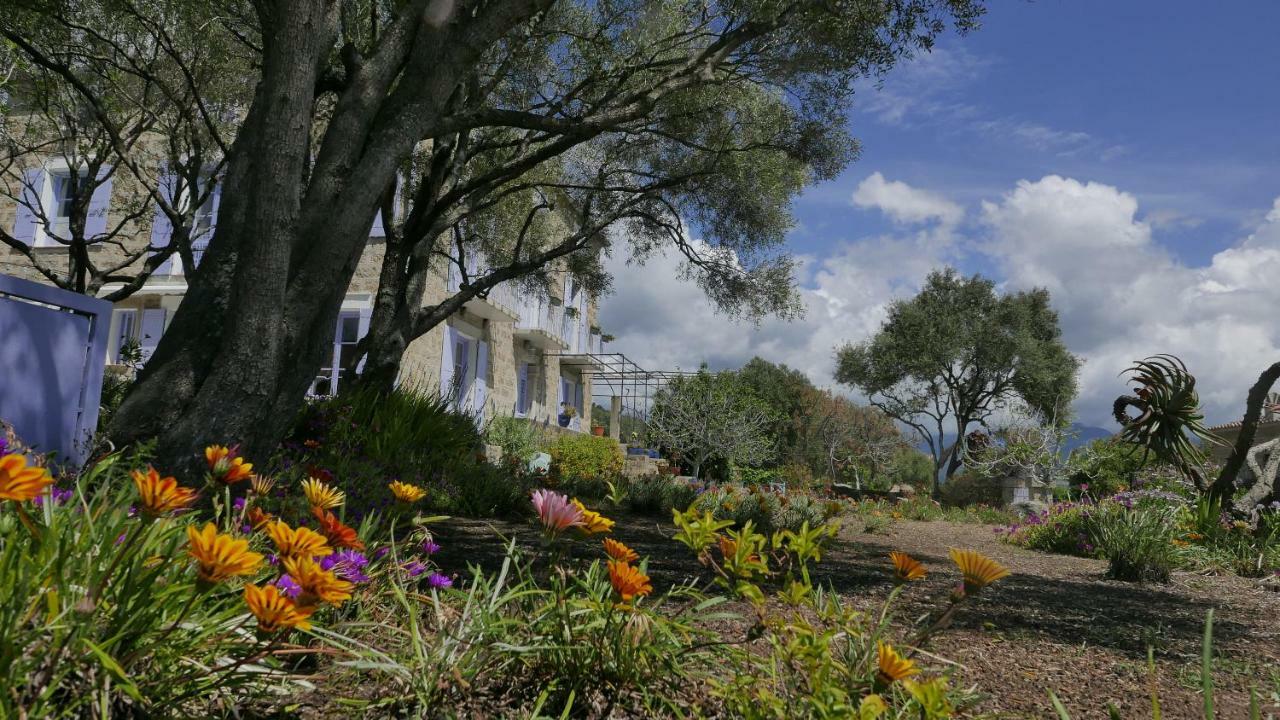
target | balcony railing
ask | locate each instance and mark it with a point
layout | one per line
(502, 295)
(539, 313)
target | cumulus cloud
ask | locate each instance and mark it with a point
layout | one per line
(1120, 294)
(903, 203)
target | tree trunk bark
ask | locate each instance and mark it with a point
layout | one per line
(1223, 486)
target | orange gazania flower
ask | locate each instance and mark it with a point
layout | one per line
(333, 529)
(21, 483)
(892, 666)
(905, 567)
(317, 585)
(262, 484)
(258, 518)
(618, 551)
(593, 523)
(220, 556)
(405, 492)
(628, 581)
(160, 495)
(274, 610)
(224, 467)
(300, 542)
(321, 495)
(978, 570)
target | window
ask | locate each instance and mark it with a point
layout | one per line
(351, 327)
(64, 188)
(522, 390)
(461, 363)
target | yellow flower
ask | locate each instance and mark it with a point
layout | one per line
(628, 581)
(618, 551)
(322, 496)
(275, 611)
(220, 556)
(160, 495)
(317, 585)
(978, 570)
(299, 542)
(225, 467)
(262, 485)
(905, 567)
(20, 483)
(893, 667)
(593, 523)
(406, 493)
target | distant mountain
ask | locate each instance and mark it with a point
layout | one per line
(1083, 435)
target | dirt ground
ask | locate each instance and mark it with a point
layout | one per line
(1055, 623)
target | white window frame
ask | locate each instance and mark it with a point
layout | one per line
(118, 334)
(42, 237)
(358, 309)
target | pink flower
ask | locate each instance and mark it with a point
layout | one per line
(555, 512)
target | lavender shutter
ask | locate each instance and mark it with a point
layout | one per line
(95, 221)
(151, 330)
(161, 228)
(446, 364)
(24, 222)
(522, 390)
(200, 243)
(481, 396)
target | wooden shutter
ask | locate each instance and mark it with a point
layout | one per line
(95, 221)
(25, 221)
(161, 228)
(522, 389)
(481, 394)
(151, 330)
(446, 364)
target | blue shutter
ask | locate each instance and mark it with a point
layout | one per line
(446, 364)
(95, 222)
(151, 330)
(481, 396)
(377, 230)
(161, 228)
(201, 242)
(522, 389)
(363, 330)
(25, 221)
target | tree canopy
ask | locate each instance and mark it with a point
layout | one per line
(711, 416)
(519, 132)
(956, 354)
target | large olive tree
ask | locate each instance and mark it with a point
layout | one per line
(678, 119)
(956, 354)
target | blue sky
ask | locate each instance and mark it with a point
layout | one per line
(1122, 154)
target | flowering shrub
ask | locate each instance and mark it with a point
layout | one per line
(1061, 528)
(585, 457)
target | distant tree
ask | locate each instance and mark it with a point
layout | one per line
(708, 416)
(1106, 465)
(911, 467)
(957, 353)
(1025, 443)
(838, 438)
(787, 391)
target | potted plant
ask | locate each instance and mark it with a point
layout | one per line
(567, 412)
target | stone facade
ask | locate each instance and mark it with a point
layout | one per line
(495, 324)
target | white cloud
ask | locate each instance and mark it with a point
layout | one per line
(1119, 293)
(904, 203)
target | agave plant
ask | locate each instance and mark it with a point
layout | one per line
(1169, 416)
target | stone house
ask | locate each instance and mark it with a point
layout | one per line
(1268, 429)
(521, 354)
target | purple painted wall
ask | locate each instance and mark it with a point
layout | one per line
(52, 350)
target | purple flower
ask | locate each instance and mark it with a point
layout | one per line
(430, 547)
(238, 504)
(438, 581)
(414, 568)
(381, 553)
(60, 496)
(288, 586)
(121, 538)
(246, 529)
(346, 564)
(4, 445)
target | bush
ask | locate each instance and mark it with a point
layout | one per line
(519, 439)
(658, 495)
(912, 468)
(482, 490)
(739, 505)
(1106, 466)
(1137, 543)
(362, 440)
(1062, 528)
(585, 457)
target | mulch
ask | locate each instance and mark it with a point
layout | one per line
(1055, 624)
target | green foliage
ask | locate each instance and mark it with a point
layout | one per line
(911, 468)
(1106, 465)
(656, 495)
(1063, 528)
(485, 491)
(1008, 347)
(577, 456)
(1138, 543)
(710, 417)
(783, 389)
(1169, 416)
(972, 488)
(362, 440)
(102, 615)
(519, 439)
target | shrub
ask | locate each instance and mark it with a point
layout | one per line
(483, 490)
(912, 468)
(1106, 466)
(658, 495)
(519, 439)
(1062, 528)
(362, 440)
(585, 457)
(740, 506)
(1137, 543)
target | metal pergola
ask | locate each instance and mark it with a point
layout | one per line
(616, 375)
